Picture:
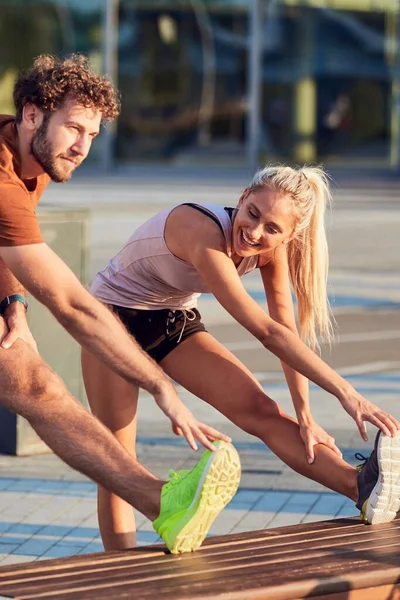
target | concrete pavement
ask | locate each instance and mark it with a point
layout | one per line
(48, 510)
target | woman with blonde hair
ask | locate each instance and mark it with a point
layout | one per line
(152, 285)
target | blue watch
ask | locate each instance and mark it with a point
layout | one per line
(9, 300)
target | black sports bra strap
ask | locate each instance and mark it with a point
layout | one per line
(230, 210)
(205, 212)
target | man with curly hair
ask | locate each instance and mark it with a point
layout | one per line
(60, 105)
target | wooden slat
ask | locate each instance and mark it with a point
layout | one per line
(313, 560)
(215, 547)
(305, 580)
(233, 560)
(290, 534)
(385, 592)
(351, 524)
(138, 561)
(136, 578)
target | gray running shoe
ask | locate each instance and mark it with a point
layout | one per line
(379, 481)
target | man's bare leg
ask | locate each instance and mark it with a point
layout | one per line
(30, 388)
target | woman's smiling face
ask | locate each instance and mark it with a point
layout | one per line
(264, 220)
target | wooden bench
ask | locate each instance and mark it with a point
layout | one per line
(338, 560)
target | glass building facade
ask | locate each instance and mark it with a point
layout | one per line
(227, 80)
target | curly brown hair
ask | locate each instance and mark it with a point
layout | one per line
(50, 81)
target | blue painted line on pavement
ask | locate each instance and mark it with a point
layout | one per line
(368, 389)
(22, 528)
(56, 530)
(272, 501)
(378, 390)
(389, 377)
(340, 301)
(240, 445)
(34, 547)
(247, 495)
(336, 301)
(62, 550)
(55, 488)
(368, 285)
(93, 547)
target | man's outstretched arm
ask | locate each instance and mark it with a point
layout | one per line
(51, 281)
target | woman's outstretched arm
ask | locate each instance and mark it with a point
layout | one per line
(275, 276)
(207, 253)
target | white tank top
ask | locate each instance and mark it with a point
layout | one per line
(146, 275)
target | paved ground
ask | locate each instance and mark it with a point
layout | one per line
(47, 510)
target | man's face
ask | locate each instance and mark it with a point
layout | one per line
(63, 140)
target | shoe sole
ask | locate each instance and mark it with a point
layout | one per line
(217, 487)
(384, 502)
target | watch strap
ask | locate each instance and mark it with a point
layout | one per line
(10, 299)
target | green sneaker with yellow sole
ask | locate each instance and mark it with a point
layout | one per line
(191, 500)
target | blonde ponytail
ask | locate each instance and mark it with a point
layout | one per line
(308, 250)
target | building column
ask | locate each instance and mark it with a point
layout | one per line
(254, 78)
(393, 57)
(305, 92)
(110, 67)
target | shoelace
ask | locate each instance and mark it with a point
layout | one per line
(175, 477)
(359, 468)
(362, 458)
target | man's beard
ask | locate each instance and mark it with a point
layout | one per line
(42, 150)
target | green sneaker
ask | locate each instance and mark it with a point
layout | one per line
(191, 500)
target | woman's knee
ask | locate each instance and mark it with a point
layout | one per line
(260, 410)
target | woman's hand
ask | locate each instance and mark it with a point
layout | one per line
(363, 411)
(312, 434)
(184, 423)
(17, 323)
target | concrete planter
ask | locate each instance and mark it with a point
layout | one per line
(67, 233)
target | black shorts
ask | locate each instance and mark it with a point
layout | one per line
(158, 332)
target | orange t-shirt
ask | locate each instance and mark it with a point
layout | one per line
(18, 198)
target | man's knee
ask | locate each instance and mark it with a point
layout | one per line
(26, 380)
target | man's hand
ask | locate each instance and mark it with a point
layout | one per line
(312, 434)
(184, 423)
(18, 328)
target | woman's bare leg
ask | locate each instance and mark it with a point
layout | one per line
(114, 402)
(207, 369)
